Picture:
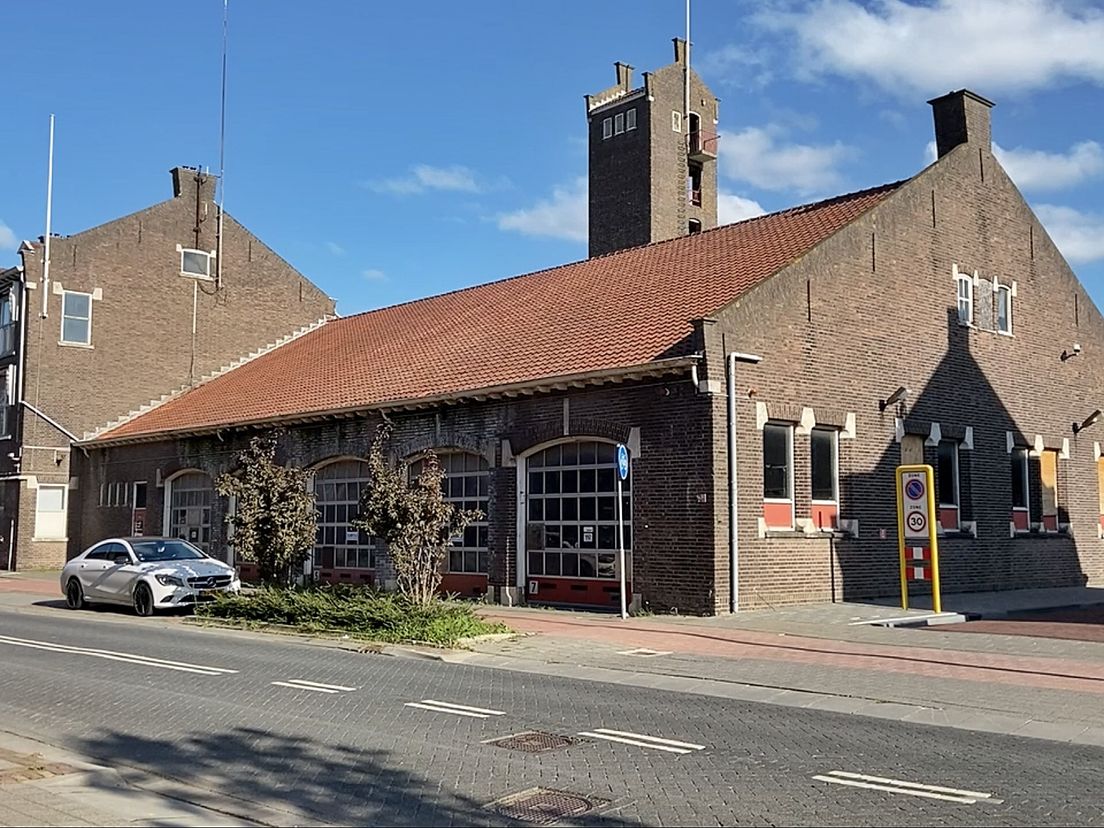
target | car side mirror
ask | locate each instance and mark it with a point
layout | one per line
(122, 560)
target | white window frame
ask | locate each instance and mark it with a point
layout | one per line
(630, 119)
(607, 128)
(208, 256)
(957, 477)
(998, 290)
(1025, 453)
(44, 530)
(834, 432)
(65, 294)
(789, 428)
(960, 280)
(619, 123)
(676, 121)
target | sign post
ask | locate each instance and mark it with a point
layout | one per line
(622, 474)
(918, 541)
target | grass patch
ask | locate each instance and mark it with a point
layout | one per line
(355, 611)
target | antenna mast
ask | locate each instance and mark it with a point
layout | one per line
(686, 90)
(49, 213)
(222, 148)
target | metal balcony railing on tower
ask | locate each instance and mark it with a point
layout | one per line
(702, 145)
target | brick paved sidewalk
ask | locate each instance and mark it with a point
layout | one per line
(44, 786)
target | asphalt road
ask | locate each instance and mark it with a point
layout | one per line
(395, 741)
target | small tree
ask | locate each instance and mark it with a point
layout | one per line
(275, 519)
(412, 518)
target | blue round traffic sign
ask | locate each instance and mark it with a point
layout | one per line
(914, 489)
(622, 461)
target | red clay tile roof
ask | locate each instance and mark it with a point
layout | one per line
(622, 309)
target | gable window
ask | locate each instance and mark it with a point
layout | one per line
(965, 300)
(778, 475)
(630, 119)
(76, 318)
(7, 323)
(824, 476)
(607, 128)
(195, 263)
(1020, 490)
(948, 485)
(50, 511)
(1004, 309)
(618, 123)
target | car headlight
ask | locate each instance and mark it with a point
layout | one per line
(170, 580)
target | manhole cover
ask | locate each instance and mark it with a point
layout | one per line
(543, 806)
(532, 741)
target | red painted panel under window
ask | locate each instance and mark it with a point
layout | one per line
(948, 518)
(1102, 521)
(1050, 523)
(346, 576)
(824, 515)
(1020, 520)
(576, 591)
(464, 585)
(778, 515)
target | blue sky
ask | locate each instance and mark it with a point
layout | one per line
(391, 151)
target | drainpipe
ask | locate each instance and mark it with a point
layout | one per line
(733, 500)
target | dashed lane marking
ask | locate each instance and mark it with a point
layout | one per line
(455, 709)
(112, 655)
(317, 687)
(899, 786)
(641, 740)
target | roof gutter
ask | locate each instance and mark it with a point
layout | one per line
(509, 390)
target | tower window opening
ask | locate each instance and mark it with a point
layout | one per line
(694, 185)
(694, 227)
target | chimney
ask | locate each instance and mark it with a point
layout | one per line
(185, 180)
(680, 50)
(961, 118)
(624, 76)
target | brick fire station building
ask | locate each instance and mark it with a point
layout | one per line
(931, 319)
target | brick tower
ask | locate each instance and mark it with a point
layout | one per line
(653, 167)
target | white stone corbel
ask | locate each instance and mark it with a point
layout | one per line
(1096, 451)
(97, 294)
(761, 414)
(761, 527)
(1039, 445)
(58, 289)
(566, 417)
(1064, 454)
(806, 526)
(508, 459)
(935, 434)
(968, 439)
(807, 422)
(848, 430)
(1011, 529)
(633, 443)
(850, 527)
(1013, 288)
(968, 527)
(1009, 441)
(898, 429)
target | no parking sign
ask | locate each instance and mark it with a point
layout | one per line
(917, 539)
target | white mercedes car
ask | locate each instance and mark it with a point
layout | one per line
(145, 573)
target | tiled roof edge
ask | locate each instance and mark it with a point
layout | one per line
(172, 395)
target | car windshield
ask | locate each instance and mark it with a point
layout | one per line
(165, 550)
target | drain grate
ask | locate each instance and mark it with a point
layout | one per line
(532, 741)
(543, 806)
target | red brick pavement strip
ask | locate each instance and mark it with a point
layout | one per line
(1086, 624)
(1056, 674)
(35, 585)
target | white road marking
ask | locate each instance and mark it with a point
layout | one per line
(312, 684)
(899, 786)
(302, 687)
(640, 740)
(111, 655)
(644, 652)
(455, 709)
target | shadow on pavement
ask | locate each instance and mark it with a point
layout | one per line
(1071, 623)
(331, 783)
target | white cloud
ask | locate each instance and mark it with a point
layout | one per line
(7, 238)
(737, 65)
(731, 207)
(335, 248)
(1039, 170)
(753, 155)
(373, 274)
(562, 216)
(423, 177)
(992, 46)
(1080, 236)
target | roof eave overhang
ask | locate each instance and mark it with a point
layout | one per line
(605, 376)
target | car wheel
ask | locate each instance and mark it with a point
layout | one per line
(143, 600)
(74, 595)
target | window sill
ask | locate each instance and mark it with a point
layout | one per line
(49, 540)
(820, 534)
(87, 346)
